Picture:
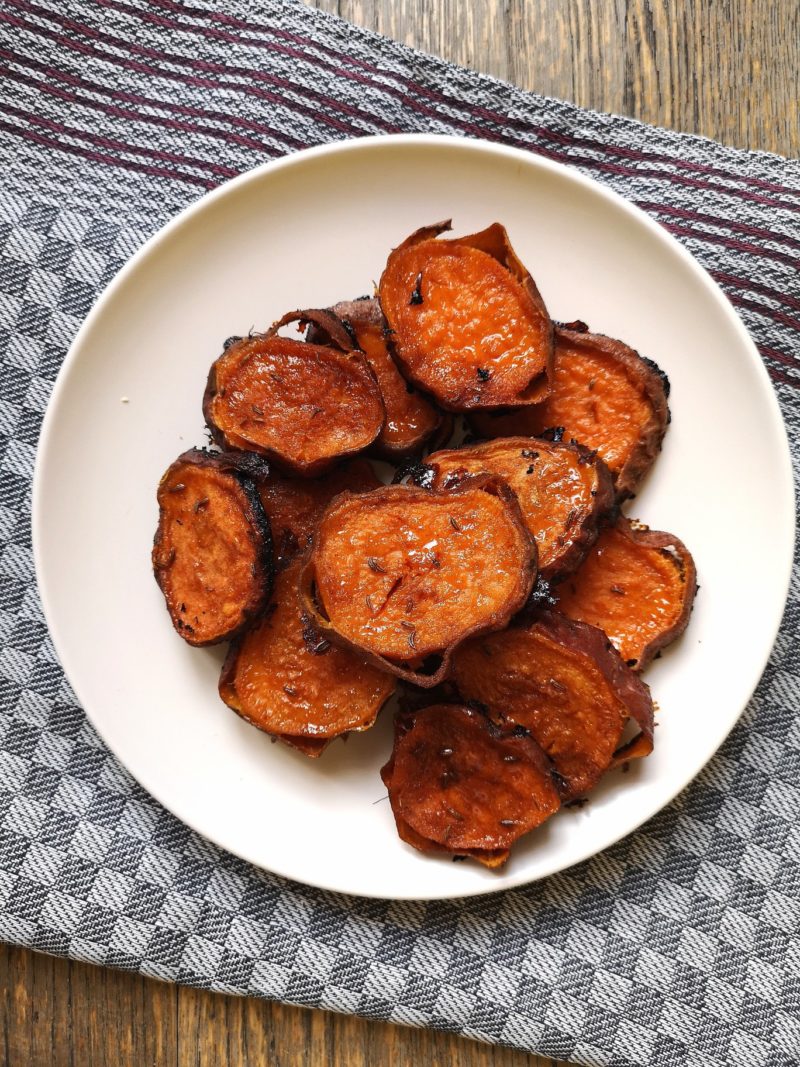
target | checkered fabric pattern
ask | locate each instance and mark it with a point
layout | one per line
(677, 946)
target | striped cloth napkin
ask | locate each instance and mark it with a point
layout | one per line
(677, 946)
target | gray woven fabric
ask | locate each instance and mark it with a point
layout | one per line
(677, 946)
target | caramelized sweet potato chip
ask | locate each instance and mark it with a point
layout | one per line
(294, 505)
(458, 783)
(212, 552)
(406, 574)
(467, 322)
(412, 421)
(604, 395)
(562, 681)
(637, 585)
(276, 682)
(564, 491)
(303, 406)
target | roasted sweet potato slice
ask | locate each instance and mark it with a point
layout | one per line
(274, 680)
(604, 395)
(294, 505)
(458, 783)
(563, 682)
(564, 491)
(412, 421)
(406, 574)
(212, 551)
(637, 585)
(303, 406)
(467, 322)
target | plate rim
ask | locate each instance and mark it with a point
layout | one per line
(784, 476)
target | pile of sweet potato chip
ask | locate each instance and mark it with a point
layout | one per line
(499, 570)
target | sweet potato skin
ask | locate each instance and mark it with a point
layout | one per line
(412, 420)
(468, 325)
(563, 490)
(295, 505)
(563, 682)
(606, 396)
(457, 783)
(213, 585)
(275, 682)
(636, 584)
(305, 407)
(389, 572)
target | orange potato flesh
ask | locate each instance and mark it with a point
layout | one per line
(275, 682)
(304, 406)
(405, 573)
(212, 549)
(636, 585)
(459, 783)
(562, 491)
(465, 328)
(295, 505)
(604, 396)
(410, 419)
(559, 681)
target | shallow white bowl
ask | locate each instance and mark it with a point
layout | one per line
(306, 231)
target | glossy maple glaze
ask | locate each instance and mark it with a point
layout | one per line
(465, 328)
(304, 406)
(554, 688)
(459, 782)
(273, 680)
(561, 491)
(637, 586)
(405, 573)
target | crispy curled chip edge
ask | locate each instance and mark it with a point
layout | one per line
(430, 774)
(339, 351)
(673, 550)
(581, 525)
(245, 469)
(493, 241)
(427, 674)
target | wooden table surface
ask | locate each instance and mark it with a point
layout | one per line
(728, 70)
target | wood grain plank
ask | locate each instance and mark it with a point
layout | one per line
(730, 70)
(57, 1013)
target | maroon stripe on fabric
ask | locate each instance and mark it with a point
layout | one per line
(734, 282)
(772, 353)
(784, 379)
(128, 63)
(138, 99)
(100, 157)
(492, 116)
(61, 128)
(414, 104)
(73, 96)
(770, 313)
(207, 66)
(732, 242)
(713, 220)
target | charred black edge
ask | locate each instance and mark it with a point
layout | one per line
(241, 466)
(438, 665)
(323, 320)
(495, 242)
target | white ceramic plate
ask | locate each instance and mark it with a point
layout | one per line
(306, 231)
